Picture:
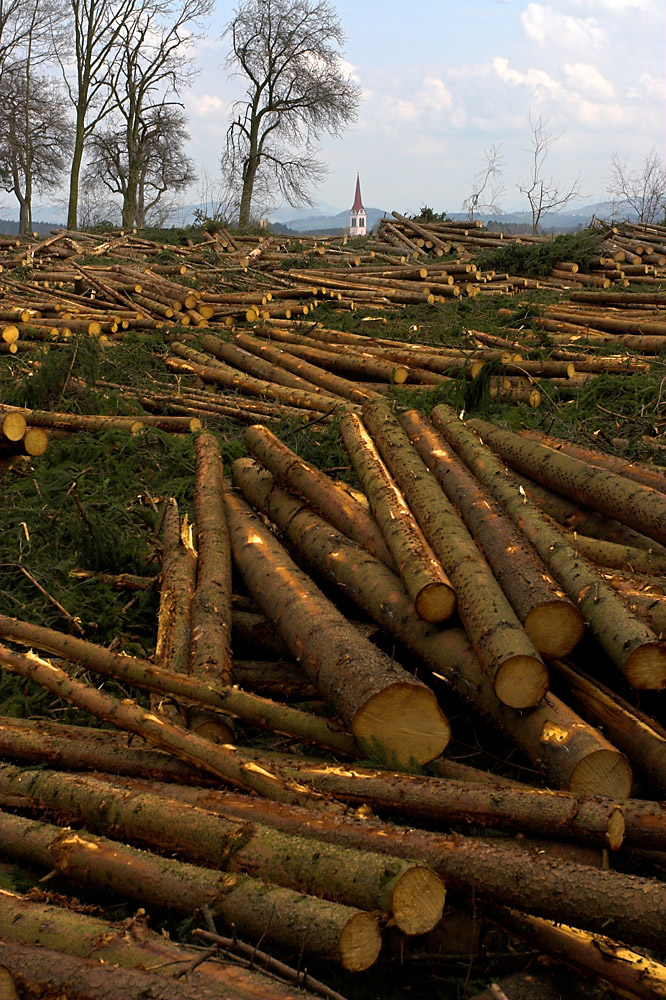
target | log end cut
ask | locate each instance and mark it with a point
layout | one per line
(646, 667)
(555, 628)
(418, 901)
(605, 772)
(521, 681)
(435, 602)
(615, 829)
(359, 943)
(401, 724)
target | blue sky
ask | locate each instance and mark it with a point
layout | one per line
(444, 79)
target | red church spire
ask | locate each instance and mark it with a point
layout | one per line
(358, 204)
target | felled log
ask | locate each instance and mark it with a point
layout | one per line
(631, 645)
(549, 618)
(574, 756)
(518, 674)
(387, 710)
(411, 893)
(292, 919)
(424, 577)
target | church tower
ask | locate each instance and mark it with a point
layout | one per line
(357, 218)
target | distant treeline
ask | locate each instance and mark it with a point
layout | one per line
(10, 228)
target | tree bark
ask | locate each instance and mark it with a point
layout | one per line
(549, 618)
(518, 674)
(387, 710)
(632, 646)
(411, 893)
(291, 919)
(326, 496)
(424, 578)
(572, 755)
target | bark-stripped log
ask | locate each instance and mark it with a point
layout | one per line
(411, 893)
(549, 618)
(210, 642)
(519, 677)
(251, 708)
(424, 578)
(128, 945)
(574, 756)
(387, 710)
(227, 762)
(638, 506)
(292, 919)
(328, 498)
(631, 645)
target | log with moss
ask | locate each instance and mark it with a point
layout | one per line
(518, 674)
(291, 919)
(425, 580)
(553, 623)
(387, 710)
(632, 646)
(573, 755)
(409, 892)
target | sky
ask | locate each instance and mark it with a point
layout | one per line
(444, 80)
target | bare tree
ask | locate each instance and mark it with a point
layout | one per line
(544, 195)
(643, 191)
(297, 89)
(35, 136)
(488, 187)
(154, 166)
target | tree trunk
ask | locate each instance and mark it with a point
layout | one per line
(387, 710)
(632, 646)
(411, 893)
(549, 618)
(288, 918)
(519, 677)
(424, 578)
(75, 170)
(326, 495)
(572, 755)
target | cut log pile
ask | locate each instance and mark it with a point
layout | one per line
(505, 575)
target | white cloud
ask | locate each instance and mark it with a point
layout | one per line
(648, 86)
(620, 6)
(588, 79)
(206, 105)
(547, 26)
(435, 95)
(537, 81)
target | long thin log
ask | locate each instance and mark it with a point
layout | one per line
(227, 762)
(89, 422)
(574, 756)
(638, 506)
(518, 674)
(630, 644)
(324, 494)
(549, 618)
(128, 945)
(289, 918)
(233, 356)
(411, 893)
(210, 643)
(252, 708)
(387, 710)
(424, 577)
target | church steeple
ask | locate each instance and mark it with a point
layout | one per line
(357, 216)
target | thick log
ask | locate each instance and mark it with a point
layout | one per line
(573, 756)
(411, 893)
(252, 708)
(387, 710)
(618, 556)
(549, 618)
(227, 762)
(518, 674)
(210, 642)
(326, 496)
(127, 945)
(424, 578)
(632, 646)
(638, 506)
(289, 918)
